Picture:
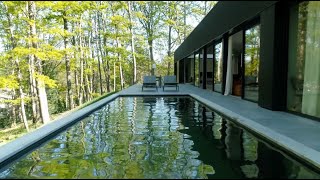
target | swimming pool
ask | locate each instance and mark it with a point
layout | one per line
(156, 137)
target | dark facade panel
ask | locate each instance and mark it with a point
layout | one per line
(266, 65)
(274, 57)
(222, 18)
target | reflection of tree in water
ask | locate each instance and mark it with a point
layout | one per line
(138, 138)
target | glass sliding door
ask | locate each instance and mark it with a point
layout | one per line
(218, 67)
(303, 86)
(189, 72)
(209, 83)
(196, 70)
(251, 63)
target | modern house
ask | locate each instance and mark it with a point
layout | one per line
(267, 52)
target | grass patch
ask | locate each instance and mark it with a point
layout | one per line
(9, 134)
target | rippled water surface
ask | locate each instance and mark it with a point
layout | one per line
(155, 137)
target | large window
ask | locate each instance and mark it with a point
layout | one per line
(201, 68)
(218, 65)
(303, 87)
(209, 84)
(196, 70)
(189, 70)
(251, 62)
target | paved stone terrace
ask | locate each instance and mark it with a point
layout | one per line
(296, 134)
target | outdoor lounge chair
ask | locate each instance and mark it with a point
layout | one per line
(170, 81)
(149, 81)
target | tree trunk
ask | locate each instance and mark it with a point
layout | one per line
(13, 116)
(114, 76)
(67, 60)
(108, 74)
(120, 67)
(23, 111)
(106, 66)
(81, 81)
(43, 102)
(169, 50)
(150, 43)
(44, 111)
(33, 90)
(184, 21)
(77, 87)
(33, 83)
(97, 54)
(76, 74)
(13, 45)
(132, 45)
(81, 65)
(121, 76)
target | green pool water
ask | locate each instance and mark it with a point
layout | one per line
(156, 137)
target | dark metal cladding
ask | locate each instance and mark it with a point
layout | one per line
(222, 18)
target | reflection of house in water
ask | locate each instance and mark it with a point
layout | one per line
(233, 142)
(150, 100)
(250, 155)
(232, 151)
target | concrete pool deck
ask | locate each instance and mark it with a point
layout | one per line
(295, 134)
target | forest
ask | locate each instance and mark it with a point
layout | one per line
(55, 56)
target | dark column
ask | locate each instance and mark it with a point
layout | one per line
(181, 71)
(194, 69)
(175, 69)
(224, 60)
(184, 70)
(274, 57)
(204, 65)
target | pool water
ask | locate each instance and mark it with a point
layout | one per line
(156, 137)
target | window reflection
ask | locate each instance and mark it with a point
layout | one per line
(196, 70)
(303, 93)
(218, 67)
(201, 74)
(189, 70)
(209, 83)
(252, 60)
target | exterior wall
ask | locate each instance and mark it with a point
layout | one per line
(273, 18)
(223, 17)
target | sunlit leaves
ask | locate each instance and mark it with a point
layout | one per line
(47, 81)
(9, 82)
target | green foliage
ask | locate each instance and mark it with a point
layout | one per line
(99, 35)
(9, 82)
(47, 81)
